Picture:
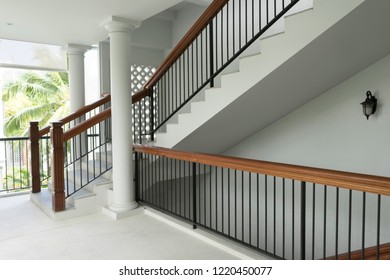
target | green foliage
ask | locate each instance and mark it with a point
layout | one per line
(18, 179)
(36, 96)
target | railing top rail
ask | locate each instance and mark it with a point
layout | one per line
(186, 41)
(80, 128)
(348, 180)
(78, 113)
(13, 138)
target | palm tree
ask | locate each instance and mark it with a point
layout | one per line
(40, 96)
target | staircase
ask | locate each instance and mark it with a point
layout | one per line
(86, 200)
(319, 48)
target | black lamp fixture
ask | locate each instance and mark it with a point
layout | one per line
(369, 105)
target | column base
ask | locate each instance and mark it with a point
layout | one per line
(122, 211)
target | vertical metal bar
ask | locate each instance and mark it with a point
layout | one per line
(266, 212)
(253, 18)
(222, 43)
(313, 222)
(274, 204)
(20, 165)
(193, 66)
(234, 28)
(235, 204)
(293, 220)
(227, 31)
(211, 50)
(242, 207)
(239, 25)
(349, 224)
(151, 112)
(283, 217)
(303, 220)
(222, 202)
(325, 202)
(250, 207)
(216, 198)
(364, 226)
(229, 208)
(204, 194)
(180, 187)
(246, 22)
(258, 209)
(337, 223)
(188, 73)
(136, 177)
(210, 195)
(194, 216)
(378, 229)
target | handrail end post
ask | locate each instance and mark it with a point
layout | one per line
(57, 158)
(34, 159)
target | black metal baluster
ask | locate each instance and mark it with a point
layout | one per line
(194, 216)
(313, 222)
(274, 219)
(364, 226)
(378, 229)
(229, 208)
(293, 219)
(204, 195)
(210, 194)
(235, 204)
(325, 203)
(283, 216)
(349, 224)
(222, 43)
(258, 210)
(266, 212)
(250, 207)
(242, 207)
(337, 223)
(222, 202)
(216, 198)
(239, 25)
(303, 220)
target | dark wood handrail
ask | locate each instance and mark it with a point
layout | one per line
(348, 180)
(78, 113)
(82, 127)
(186, 41)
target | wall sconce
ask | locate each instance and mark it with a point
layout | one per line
(369, 105)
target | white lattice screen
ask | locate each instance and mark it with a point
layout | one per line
(140, 74)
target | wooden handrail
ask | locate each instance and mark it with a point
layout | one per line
(78, 113)
(186, 41)
(82, 127)
(348, 180)
(139, 95)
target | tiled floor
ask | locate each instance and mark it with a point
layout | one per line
(27, 233)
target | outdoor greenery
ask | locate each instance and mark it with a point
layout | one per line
(40, 96)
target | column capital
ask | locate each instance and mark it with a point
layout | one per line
(76, 49)
(118, 24)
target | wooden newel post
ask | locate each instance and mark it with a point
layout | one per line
(34, 150)
(57, 166)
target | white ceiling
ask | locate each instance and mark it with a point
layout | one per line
(72, 21)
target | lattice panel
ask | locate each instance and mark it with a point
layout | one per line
(140, 74)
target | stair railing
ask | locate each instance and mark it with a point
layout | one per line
(223, 32)
(285, 211)
(69, 156)
(41, 167)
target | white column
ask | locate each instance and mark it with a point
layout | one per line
(76, 76)
(123, 186)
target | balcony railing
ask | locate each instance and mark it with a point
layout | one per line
(285, 211)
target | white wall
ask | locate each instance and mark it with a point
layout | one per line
(185, 18)
(331, 131)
